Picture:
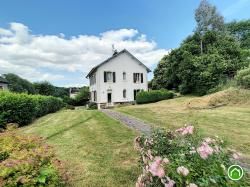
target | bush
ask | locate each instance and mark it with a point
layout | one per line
(92, 106)
(243, 78)
(23, 108)
(153, 96)
(27, 161)
(184, 158)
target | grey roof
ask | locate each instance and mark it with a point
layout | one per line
(112, 57)
(3, 80)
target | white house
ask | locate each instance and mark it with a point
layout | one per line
(3, 84)
(117, 80)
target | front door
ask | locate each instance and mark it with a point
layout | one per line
(109, 98)
(135, 93)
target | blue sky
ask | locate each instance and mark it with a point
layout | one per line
(44, 35)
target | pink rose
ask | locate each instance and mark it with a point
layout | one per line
(182, 171)
(186, 130)
(205, 150)
(156, 169)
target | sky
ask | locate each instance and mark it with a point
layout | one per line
(61, 40)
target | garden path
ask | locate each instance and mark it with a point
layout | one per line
(129, 121)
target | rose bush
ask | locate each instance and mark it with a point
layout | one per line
(184, 158)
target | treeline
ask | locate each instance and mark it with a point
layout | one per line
(20, 85)
(211, 56)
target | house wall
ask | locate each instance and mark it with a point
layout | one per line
(122, 63)
(3, 86)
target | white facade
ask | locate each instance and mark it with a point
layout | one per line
(118, 79)
(3, 86)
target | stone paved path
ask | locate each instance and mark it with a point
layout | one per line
(131, 122)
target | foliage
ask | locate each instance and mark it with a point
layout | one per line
(17, 84)
(27, 161)
(184, 158)
(153, 96)
(187, 71)
(23, 108)
(92, 106)
(243, 78)
(44, 88)
(208, 18)
(82, 97)
(241, 31)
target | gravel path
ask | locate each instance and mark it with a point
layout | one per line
(131, 122)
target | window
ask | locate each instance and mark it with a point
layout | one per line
(109, 76)
(94, 95)
(124, 76)
(124, 93)
(138, 77)
(93, 79)
(1, 87)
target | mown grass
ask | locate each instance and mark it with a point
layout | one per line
(231, 123)
(97, 150)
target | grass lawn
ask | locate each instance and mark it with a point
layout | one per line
(229, 122)
(97, 150)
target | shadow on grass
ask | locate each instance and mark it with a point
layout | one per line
(68, 128)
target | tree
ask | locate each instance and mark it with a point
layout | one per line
(18, 84)
(241, 31)
(44, 88)
(184, 69)
(208, 19)
(83, 96)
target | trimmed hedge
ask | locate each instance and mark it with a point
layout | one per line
(23, 108)
(243, 78)
(153, 96)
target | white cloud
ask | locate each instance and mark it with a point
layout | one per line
(38, 57)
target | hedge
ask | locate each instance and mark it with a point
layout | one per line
(243, 78)
(153, 96)
(23, 108)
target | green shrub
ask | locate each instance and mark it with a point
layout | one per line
(243, 78)
(16, 108)
(27, 161)
(92, 106)
(153, 96)
(23, 108)
(185, 158)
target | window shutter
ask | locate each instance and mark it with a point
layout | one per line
(105, 76)
(113, 76)
(141, 77)
(134, 77)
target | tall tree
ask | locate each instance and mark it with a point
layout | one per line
(18, 84)
(208, 19)
(44, 88)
